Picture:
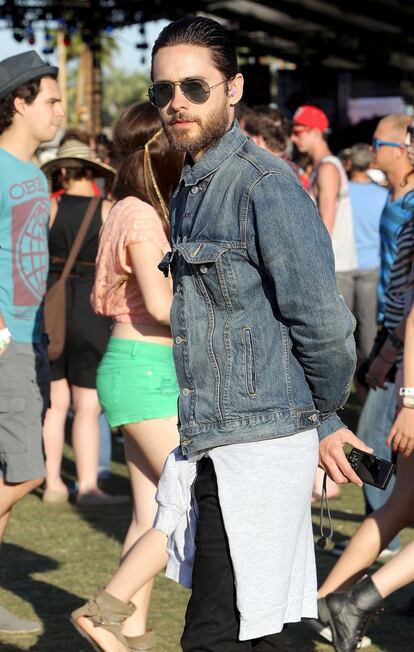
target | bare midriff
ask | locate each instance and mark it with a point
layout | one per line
(158, 334)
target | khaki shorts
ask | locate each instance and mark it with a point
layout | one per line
(24, 399)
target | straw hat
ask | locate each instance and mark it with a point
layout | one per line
(73, 154)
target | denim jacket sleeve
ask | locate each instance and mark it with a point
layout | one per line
(294, 248)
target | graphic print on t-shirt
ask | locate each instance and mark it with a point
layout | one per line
(29, 246)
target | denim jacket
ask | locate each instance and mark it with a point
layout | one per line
(263, 343)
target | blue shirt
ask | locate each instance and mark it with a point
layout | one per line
(394, 216)
(24, 258)
(368, 201)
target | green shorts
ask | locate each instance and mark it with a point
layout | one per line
(136, 380)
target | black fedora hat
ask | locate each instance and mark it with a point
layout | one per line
(21, 69)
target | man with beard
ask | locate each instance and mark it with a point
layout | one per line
(263, 349)
(264, 355)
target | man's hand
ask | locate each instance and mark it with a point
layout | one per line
(333, 459)
(377, 372)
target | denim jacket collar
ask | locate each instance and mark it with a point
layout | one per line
(232, 140)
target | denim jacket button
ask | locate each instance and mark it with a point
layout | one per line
(203, 269)
(179, 340)
(186, 391)
(194, 189)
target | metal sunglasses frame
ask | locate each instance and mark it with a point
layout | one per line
(204, 85)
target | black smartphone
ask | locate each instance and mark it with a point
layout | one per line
(371, 469)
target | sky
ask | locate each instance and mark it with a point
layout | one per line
(129, 57)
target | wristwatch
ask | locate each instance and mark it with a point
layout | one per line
(395, 341)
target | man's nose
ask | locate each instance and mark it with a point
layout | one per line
(178, 100)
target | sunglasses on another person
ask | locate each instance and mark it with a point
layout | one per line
(377, 143)
(196, 91)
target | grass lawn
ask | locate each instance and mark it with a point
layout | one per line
(54, 557)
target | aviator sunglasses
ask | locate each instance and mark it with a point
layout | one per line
(196, 91)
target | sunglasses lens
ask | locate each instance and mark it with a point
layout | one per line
(160, 94)
(195, 91)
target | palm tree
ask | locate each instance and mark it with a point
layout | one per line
(91, 51)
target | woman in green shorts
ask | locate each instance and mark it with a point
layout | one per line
(136, 379)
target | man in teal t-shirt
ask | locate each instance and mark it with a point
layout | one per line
(30, 113)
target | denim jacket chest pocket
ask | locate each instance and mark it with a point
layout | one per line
(212, 270)
(216, 354)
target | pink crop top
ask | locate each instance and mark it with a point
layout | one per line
(116, 292)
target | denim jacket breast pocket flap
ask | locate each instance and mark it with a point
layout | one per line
(201, 253)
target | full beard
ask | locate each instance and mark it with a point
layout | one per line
(209, 133)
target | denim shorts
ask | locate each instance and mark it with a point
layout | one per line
(136, 381)
(24, 399)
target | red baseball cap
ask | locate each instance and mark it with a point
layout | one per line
(311, 116)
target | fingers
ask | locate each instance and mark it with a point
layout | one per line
(333, 458)
(348, 471)
(391, 436)
(334, 472)
(402, 443)
(338, 467)
(355, 441)
(392, 433)
(409, 448)
(396, 441)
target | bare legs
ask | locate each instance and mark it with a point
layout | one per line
(147, 445)
(54, 434)
(10, 494)
(375, 532)
(85, 435)
(396, 573)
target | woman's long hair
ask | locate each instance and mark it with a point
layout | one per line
(147, 167)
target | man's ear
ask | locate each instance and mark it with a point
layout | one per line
(236, 89)
(19, 105)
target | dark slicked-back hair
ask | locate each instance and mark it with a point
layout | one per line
(204, 32)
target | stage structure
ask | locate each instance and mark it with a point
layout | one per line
(349, 47)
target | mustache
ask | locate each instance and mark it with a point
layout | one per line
(180, 117)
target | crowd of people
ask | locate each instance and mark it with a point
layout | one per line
(218, 259)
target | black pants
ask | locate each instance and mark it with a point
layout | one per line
(212, 619)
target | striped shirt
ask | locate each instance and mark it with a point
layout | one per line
(394, 306)
(394, 216)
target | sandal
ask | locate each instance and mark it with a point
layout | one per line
(106, 611)
(144, 642)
